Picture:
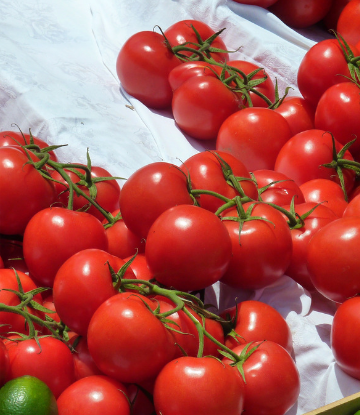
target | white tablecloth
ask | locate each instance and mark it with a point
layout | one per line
(58, 77)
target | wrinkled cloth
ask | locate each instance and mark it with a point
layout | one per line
(58, 77)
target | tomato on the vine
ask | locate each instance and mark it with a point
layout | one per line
(348, 24)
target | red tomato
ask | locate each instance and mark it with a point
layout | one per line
(140, 267)
(302, 157)
(139, 347)
(353, 208)
(143, 66)
(345, 336)
(271, 370)
(141, 403)
(298, 112)
(24, 191)
(300, 13)
(188, 248)
(254, 136)
(181, 32)
(12, 254)
(261, 252)
(150, 191)
(94, 395)
(323, 66)
(195, 110)
(75, 231)
(332, 17)
(4, 363)
(348, 24)
(280, 193)
(206, 172)
(326, 192)
(52, 362)
(332, 259)
(338, 111)
(257, 321)
(107, 191)
(198, 386)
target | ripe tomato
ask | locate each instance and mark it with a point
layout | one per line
(197, 112)
(188, 248)
(323, 66)
(83, 362)
(332, 259)
(205, 171)
(181, 32)
(257, 321)
(143, 66)
(198, 386)
(4, 363)
(254, 136)
(271, 370)
(139, 347)
(140, 267)
(332, 17)
(348, 24)
(94, 395)
(12, 254)
(345, 336)
(24, 191)
(261, 252)
(148, 192)
(353, 208)
(75, 231)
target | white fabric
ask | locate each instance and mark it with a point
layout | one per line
(57, 76)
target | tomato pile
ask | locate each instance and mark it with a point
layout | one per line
(102, 288)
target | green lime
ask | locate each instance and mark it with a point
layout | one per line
(357, 412)
(27, 395)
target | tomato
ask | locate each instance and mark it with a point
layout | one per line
(181, 32)
(260, 3)
(197, 112)
(332, 259)
(141, 403)
(82, 283)
(320, 217)
(205, 171)
(345, 337)
(94, 395)
(338, 111)
(107, 191)
(281, 193)
(301, 13)
(51, 362)
(261, 252)
(257, 321)
(140, 267)
(148, 192)
(24, 191)
(266, 88)
(75, 231)
(353, 208)
(332, 17)
(4, 363)
(12, 254)
(299, 114)
(326, 192)
(198, 386)
(254, 136)
(302, 157)
(188, 248)
(139, 347)
(271, 370)
(348, 24)
(143, 66)
(323, 66)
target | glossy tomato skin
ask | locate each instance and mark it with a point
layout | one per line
(323, 66)
(188, 248)
(332, 17)
(75, 231)
(353, 208)
(205, 172)
(198, 386)
(254, 136)
(94, 395)
(139, 347)
(143, 66)
(348, 24)
(332, 259)
(345, 337)
(257, 321)
(271, 370)
(302, 157)
(181, 32)
(140, 267)
(25, 192)
(337, 112)
(195, 110)
(263, 252)
(148, 192)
